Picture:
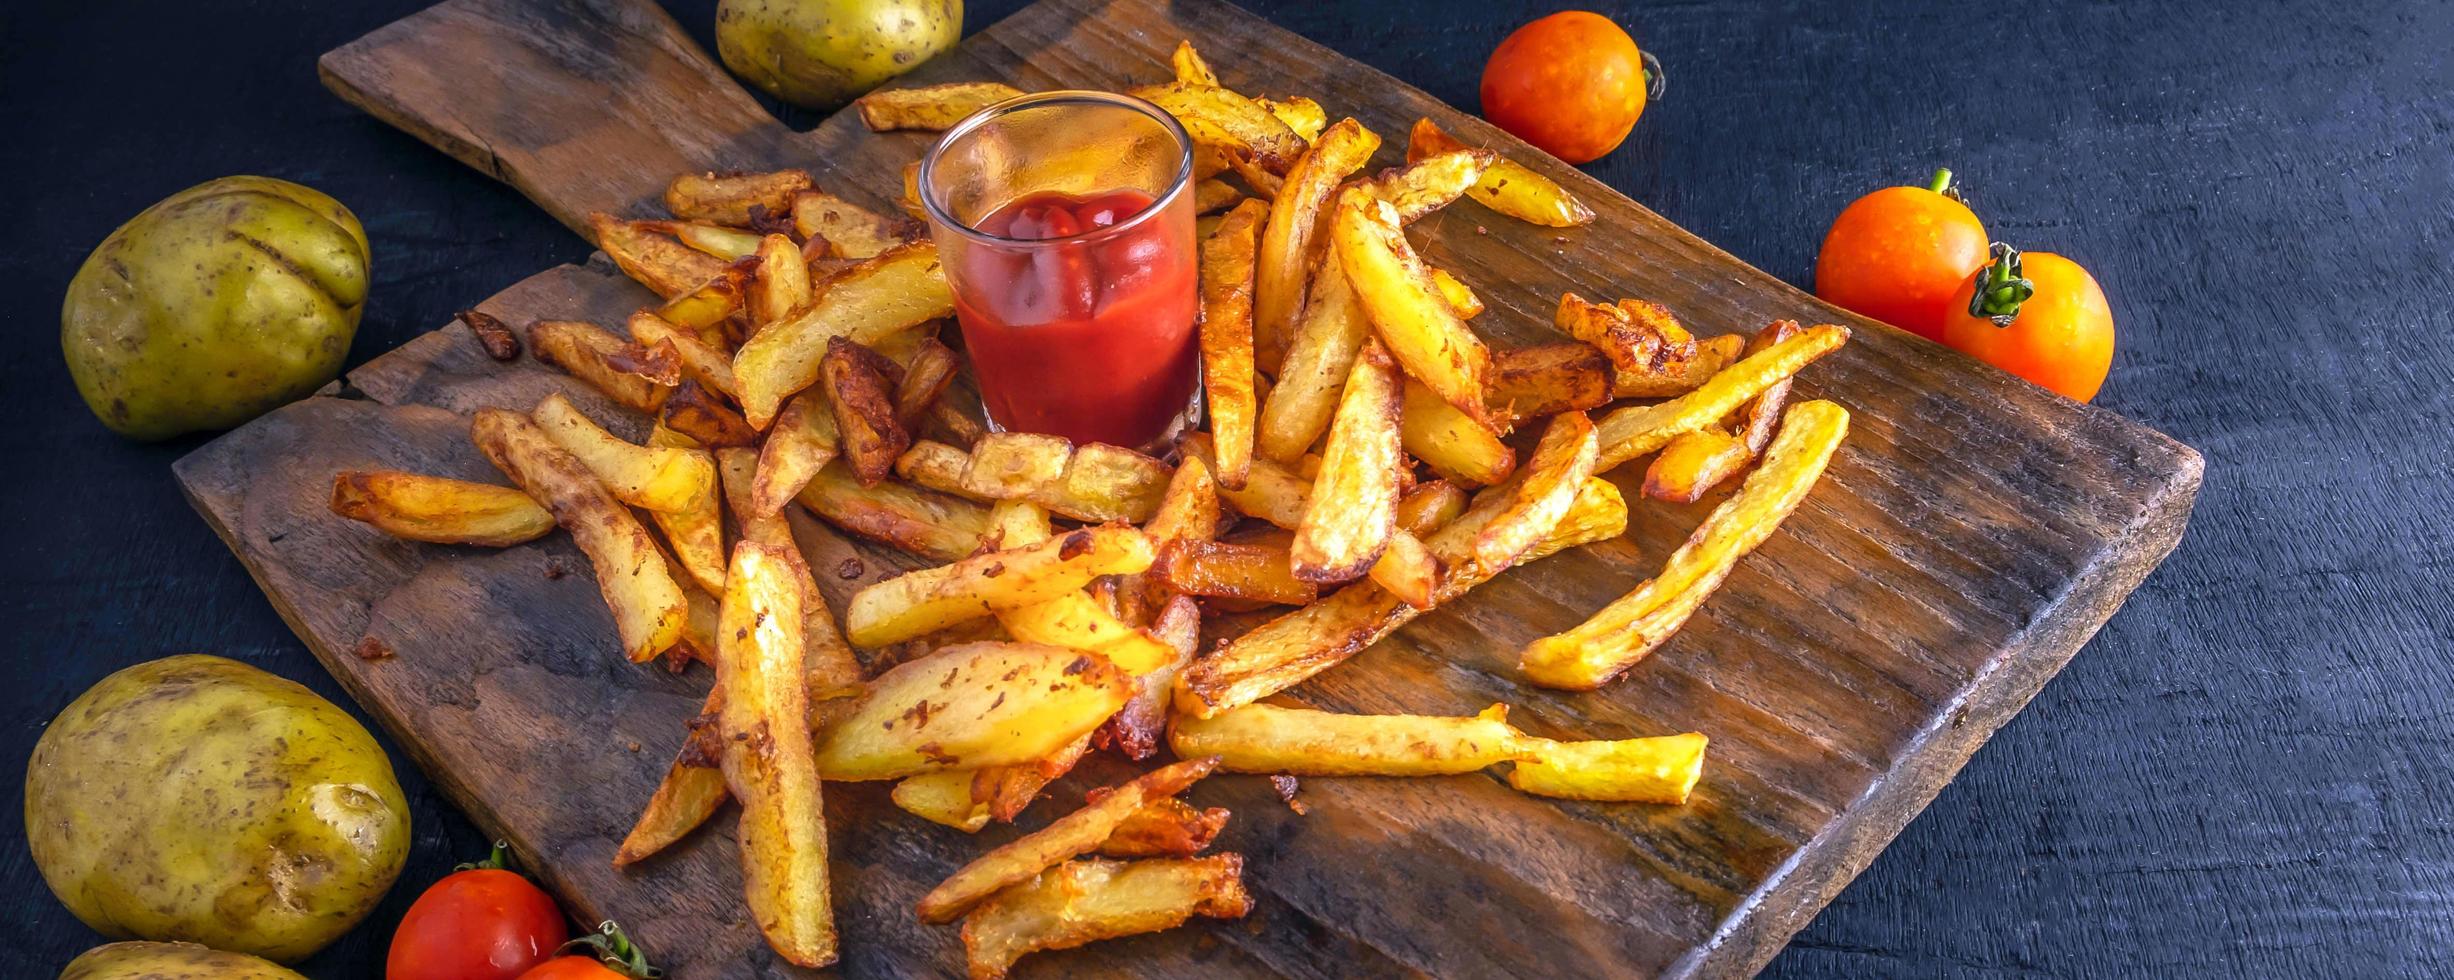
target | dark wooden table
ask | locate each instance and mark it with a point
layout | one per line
(2245, 774)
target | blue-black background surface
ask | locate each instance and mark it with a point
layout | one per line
(2245, 774)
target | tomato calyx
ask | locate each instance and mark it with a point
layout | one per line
(2000, 286)
(609, 946)
(496, 861)
(1655, 82)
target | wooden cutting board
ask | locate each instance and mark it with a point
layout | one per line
(1971, 535)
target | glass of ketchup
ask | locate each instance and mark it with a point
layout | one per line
(1065, 223)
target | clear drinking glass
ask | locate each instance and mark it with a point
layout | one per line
(1065, 223)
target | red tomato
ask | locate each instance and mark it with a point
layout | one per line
(1571, 83)
(482, 923)
(1898, 254)
(2060, 336)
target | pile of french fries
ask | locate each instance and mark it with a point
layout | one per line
(1360, 464)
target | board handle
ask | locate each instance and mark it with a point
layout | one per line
(583, 105)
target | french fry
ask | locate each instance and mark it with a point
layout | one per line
(1190, 68)
(1713, 355)
(897, 291)
(692, 791)
(605, 362)
(919, 602)
(1091, 899)
(692, 410)
(1590, 654)
(1430, 183)
(706, 308)
(1635, 770)
(1067, 837)
(647, 605)
(656, 261)
(800, 443)
(860, 386)
(1008, 790)
(1164, 827)
(698, 540)
(1353, 510)
(1409, 571)
(850, 231)
(1237, 125)
(710, 366)
(438, 509)
(1460, 296)
(1456, 447)
(1406, 310)
(926, 375)
(1214, 195)
(1302, 115)
(1227, 339)
(1599, 513)
(1231, 570)
(1636, 336)
(729, 244)
(1631, 432)
(942, 798)
(1430, 506)
(1506, 186)
(989, 704)
(910, 200)
(924, 523)
(676, 480)
(832, 668)
(782, 284)
(1072, 619)
(738, 199)
(1547, 379)
(1187, 511)
(767, 753)
(1286, 247)
(930, 107)
(1095, 482)
(1267, 738)
(1320, 352)
(1136, 728)
(1696, 462)
(1565, 456)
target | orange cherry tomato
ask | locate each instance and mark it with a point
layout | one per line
(1898, 254)
(1571, 83)
(2041, 317)
(573, 968)
(478, 923)
(605, 954)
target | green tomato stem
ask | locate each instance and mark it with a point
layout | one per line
(611, 947)
(1941, 182)
(499, 860)
(2000, 288)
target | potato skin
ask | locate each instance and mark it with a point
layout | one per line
(200, 799)
(170, 961)
(821, 54)
(214, 306)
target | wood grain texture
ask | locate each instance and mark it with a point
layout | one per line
(1922, 594)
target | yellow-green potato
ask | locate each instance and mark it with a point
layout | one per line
(171, 961)
(823, 53)
(199, 799)
(214, 306)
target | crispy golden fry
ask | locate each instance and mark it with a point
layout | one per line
(1215, 195)
(736, 199)
(498, 340)
(1406, 310)
(926, 374)
(832, 667)
(692, 791)
(656, 261)
(860, 386)
(895, 292)
(1320, 352)
(1074, 619)
(1207, 225)
(1164, 827)
(988, 704)
(942, 798)
(1008, 790)
(1456, 447)
(930, 107)
(1067, 837)
(910, 201)
(1302, 115)
(1547, 379)
(1460, 296)
(1430, 183)
(1188, 511)
(1429, 507)
(694, 411)
(782, 284)
(1190, 68)
(767, 753)
(1632, 432)
(1598, 514)
(605, 362)
(1136, 728)
(641, 476)
(1236, 125)
(729, 244)
(919, 521)
(1227, 339)
(1092, 899)
(1302, 742)
(1634, 770)
(1638, 337)
(1230, 570)
(1409, 571)
(706, 308)
(1762, 415)
(1286, 248)
(1589, 655)
(697, 536)
(648, 607)
(1095, 482)
(1508, 187)
(1693, 464)
(802, 441)
(930, 599)
(1713, 355)
(1285, 651)
(852, 231)
(662, 436)
(710, 366)
(438, 509)
(1353, 511)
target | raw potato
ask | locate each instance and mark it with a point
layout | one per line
(214, 306)
(170, 961)
(819, 54)
(177, 800)
(1088, 900)
(987, 704)
(930, 107)
(1302, 742)
(437, 509)
(1635, 770)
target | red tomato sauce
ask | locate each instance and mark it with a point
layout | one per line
(1093, 341)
